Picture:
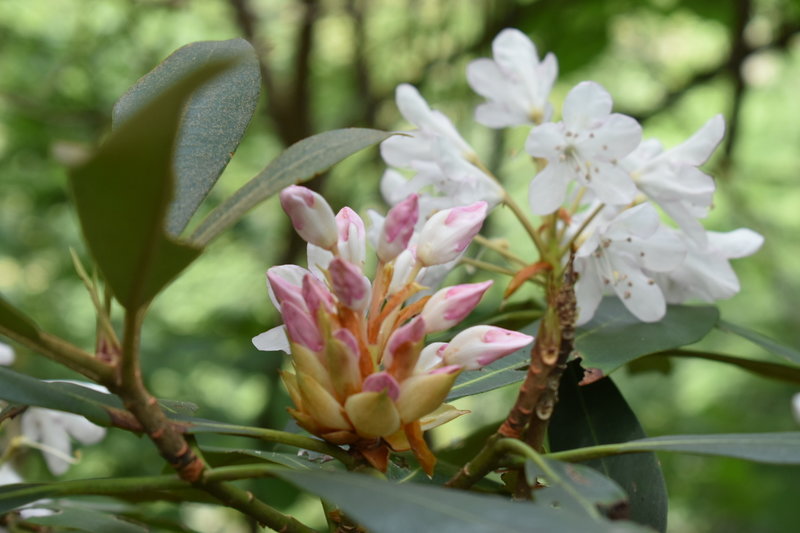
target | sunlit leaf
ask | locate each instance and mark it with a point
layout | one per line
(123, 192)
(218, 456)
(765, 342)
(300, 162)
(598, 414)
(213, 119)
(615, 337)
(387, 507)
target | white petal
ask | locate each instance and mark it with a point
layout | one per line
(612, 184)
(737, 243)
(698, 148)
(686, 221)
(546, 140)
(664, 251)
(273, 340)
(6, 354)
(318, 260)
(641, 221)
(617, 136)
(55, 437)
(496, 115)
(514, 51)
(401, 150)
(587, 103)
(412, 105)
(485, 78)
(292, 273)
(642, 298)
(81, 429)
(588, 289)
(548, 188)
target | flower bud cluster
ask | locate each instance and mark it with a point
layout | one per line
(362, 373)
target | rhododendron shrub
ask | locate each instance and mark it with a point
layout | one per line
(375, 347)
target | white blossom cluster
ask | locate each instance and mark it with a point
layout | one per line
(595, 168)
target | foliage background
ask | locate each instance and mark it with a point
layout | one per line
(334, 63)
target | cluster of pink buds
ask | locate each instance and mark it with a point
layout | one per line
(363, 375)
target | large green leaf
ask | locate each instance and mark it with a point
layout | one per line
(16, 322)
(765, 342)
(573, 486)
(300, 162)
(386, 507)
(765, 369)
(615, 337)
(212, 122)
(504, 371)
(24, 390)
(123, 192)
(597, 414)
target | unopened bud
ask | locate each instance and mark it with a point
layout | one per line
(311, 216)
(447, 233)
(373, 414)
(350, 285)
(451, 305)
(301, 328)
(424, 393)
(352, 236)
(398, 227)
(478, 346)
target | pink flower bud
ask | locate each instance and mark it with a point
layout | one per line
(423, 394)
(451, 305)
(430, 357)
(316, 294)
(352, 236)
(480, 345)
(447, 233)
(409, 334)
(398, 228)
(382, 381)
(301, 327)
(342, 356)
(403, 267)
(284, 283)
(311, 216)
(350, 285)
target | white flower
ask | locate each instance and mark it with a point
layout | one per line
(515, 84)
(52, 431)
(8, 476)
(706, 273)
(6, 355)
(585, 147)
(417, 145)
(796, 407)
(615, 257)
(671, 178)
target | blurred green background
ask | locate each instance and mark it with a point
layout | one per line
(335, 63)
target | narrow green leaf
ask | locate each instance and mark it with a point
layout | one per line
(573, 486)
(19, 494)
(300, 162)
(597, 414)
(123, 192)
(615, 337)
(218, 456)
(24, 390)
(766, 369)
(777, 448)
(213, 119)
(758, 339)
(84, 519)
(504, 371)
(16, 321)
(386, 507)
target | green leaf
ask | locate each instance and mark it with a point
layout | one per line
(615, 337)
(777, 448)
(763, 341)
(24, 390)
(123, 192)
(218, 456)
(212, 122)
(83, 519)
(597, 414)
(300, 162)
(17, 495)
(505, 371)
(16, 321)
(573, 486)
(386, 507)
(765, 369)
